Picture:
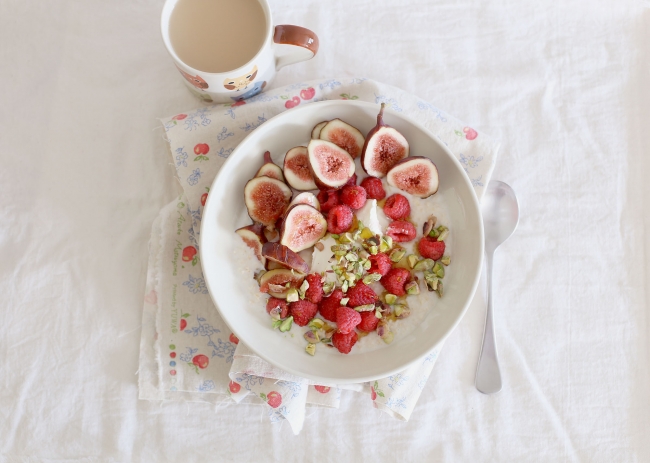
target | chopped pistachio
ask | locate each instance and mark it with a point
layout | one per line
(328, 287)
(367, 264)
(397, 254)
(412, 259)
(365, 308)
(325, 340)
(424, 264)
(276, 323)
(412, 288)
(344, 301)
(386, 243)
(390, 298)
(310, 336)
(340, 247)
(344, 286)
(303, 289)
(346, 238)
(275, 313)
(431, 281)
(336, 237)
(351, 257)
(439, 289)
(373, 250)
(358, 269)
(446, 260)
(286, 324)
(429, 224)
(371, 278)
(366, 233)
(310, 349)
(378, 314)
(316, 323)
(292, 295)
(398, 309)
(434, 233)
(384, 332)
(443, 235)
(439, 270)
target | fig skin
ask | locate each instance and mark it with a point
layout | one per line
(296, 166)
(280, 276)
(315, 132)
(306, 198)
(253, 236)
(275, 193)
(281, 254)
(406, 163)
(345, 165)
(292, 228)
(353, 140)
(381, 129)
(270, 169)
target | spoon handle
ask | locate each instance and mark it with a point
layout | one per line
(488, 374)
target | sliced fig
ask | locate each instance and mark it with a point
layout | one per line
(272, 265)
(344, 136)
(254, 238)
(303, 226)
(306, 198)
(270, 169)
(330, 165)
(296, 169)
(315, 132)
(384, 147)
(416, 175)
(266, 199)
(274, 280)
(281, 254)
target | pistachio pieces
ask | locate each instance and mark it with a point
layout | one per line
(384, 332)
(293, 295)
(311, 336)
(365, 308)
(390, 298)
(429, 224)
(371, 278)
(311, 349)
(424, 264)
(446, 260)
(412, 288)
(397, 254)
(412, 260)
(316, 324)
(286, 324)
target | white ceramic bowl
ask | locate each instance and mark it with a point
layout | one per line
(225, 212)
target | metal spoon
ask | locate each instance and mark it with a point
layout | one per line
(500, 212)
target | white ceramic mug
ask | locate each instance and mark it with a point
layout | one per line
(283, 45)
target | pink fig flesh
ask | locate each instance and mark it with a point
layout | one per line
(306, 198)
(279, 278)
(416, 175)
(303, 226)
(384, 147)
(330, 165)
(296, 169)
(266, 199)
(270, 169)
(254, 238)
(315, 132)
(344, 136)
(281, 254)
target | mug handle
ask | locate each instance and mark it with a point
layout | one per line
(293, 44)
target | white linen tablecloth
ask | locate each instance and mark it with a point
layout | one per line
(564, 87)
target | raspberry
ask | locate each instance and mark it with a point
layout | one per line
(344, 342)
(353, 180)
(431, 248)
(401, 231)
(339, 219)
(374, 188)
(397, 207)
(274, 302)
(353, 196)
(302, 312)
(369, 321)
(328, 305)
(328, 199)
(347, 319)
(380, 263)
(395, 280)
(315, 291)
(361, 294)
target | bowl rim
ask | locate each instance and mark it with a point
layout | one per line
(475, 278)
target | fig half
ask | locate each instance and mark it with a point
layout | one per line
(281, 254)
(384, 147)
(270, 169)
(266, 199)
(416, 175)
(330, 165)
(344, 136)
(296, 169)
(254, 238)
(275, 281)
(303, 226)
(315, 132)
(306, 198)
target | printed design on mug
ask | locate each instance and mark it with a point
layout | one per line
(245, 82)
(197, 81)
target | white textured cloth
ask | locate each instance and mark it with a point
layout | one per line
(186, 350)
(562, 85)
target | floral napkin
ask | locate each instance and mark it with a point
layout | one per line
(187, 352)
